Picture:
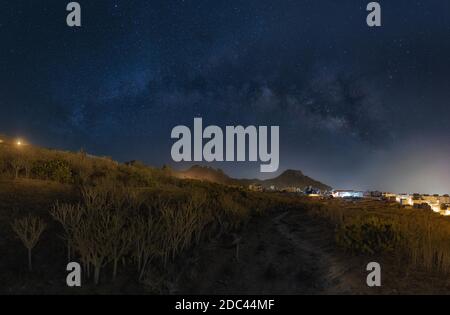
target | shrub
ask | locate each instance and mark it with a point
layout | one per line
(18, 163)
(57, 170)
(121, 239)
(92, 238)
(179, 224)
(29, 230)
(369, 235)
(151, 225)
(148, 243)
(418, 237)
(69, 216)
(233, 213)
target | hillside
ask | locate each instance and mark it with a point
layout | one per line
(289, 178)
(206, 173)
(19, 159)
(199, 237)
(294, 178)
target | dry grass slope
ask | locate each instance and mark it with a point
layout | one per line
(139, 222)
(420, 237)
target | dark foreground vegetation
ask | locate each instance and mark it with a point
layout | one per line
(113, 218)
(136, 229)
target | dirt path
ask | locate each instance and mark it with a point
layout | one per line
(283, 253)
(334, 273)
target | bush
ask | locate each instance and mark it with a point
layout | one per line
(369, 235)
(57, 170)
(29, 230)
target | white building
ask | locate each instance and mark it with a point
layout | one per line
(404, 199)
(347, 194)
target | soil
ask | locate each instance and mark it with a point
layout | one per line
(295, 253)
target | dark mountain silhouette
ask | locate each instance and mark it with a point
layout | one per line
(206, 173)
(293, 178)
(289, 178)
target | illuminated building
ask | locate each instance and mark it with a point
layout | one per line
(347, 194)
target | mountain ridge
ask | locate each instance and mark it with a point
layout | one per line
(289, 178)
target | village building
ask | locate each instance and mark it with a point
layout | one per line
(445, 209)
(389, 196)
(373, 194)
(404, 199)
(256, 187)
(347, 194)
(291, 189)
(444, 199)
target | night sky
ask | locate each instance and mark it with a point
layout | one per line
(358, 107)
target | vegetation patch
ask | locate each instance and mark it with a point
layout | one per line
(371, 235)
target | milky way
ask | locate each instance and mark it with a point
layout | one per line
(357, 107)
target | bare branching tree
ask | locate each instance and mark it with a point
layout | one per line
(121, 240)
(69, 216)
(147, 233)
(29, 230)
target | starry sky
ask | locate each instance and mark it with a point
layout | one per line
(358, 107)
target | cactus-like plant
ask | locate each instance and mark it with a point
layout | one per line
(69, 217)
(29, 230)
(148, 234)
